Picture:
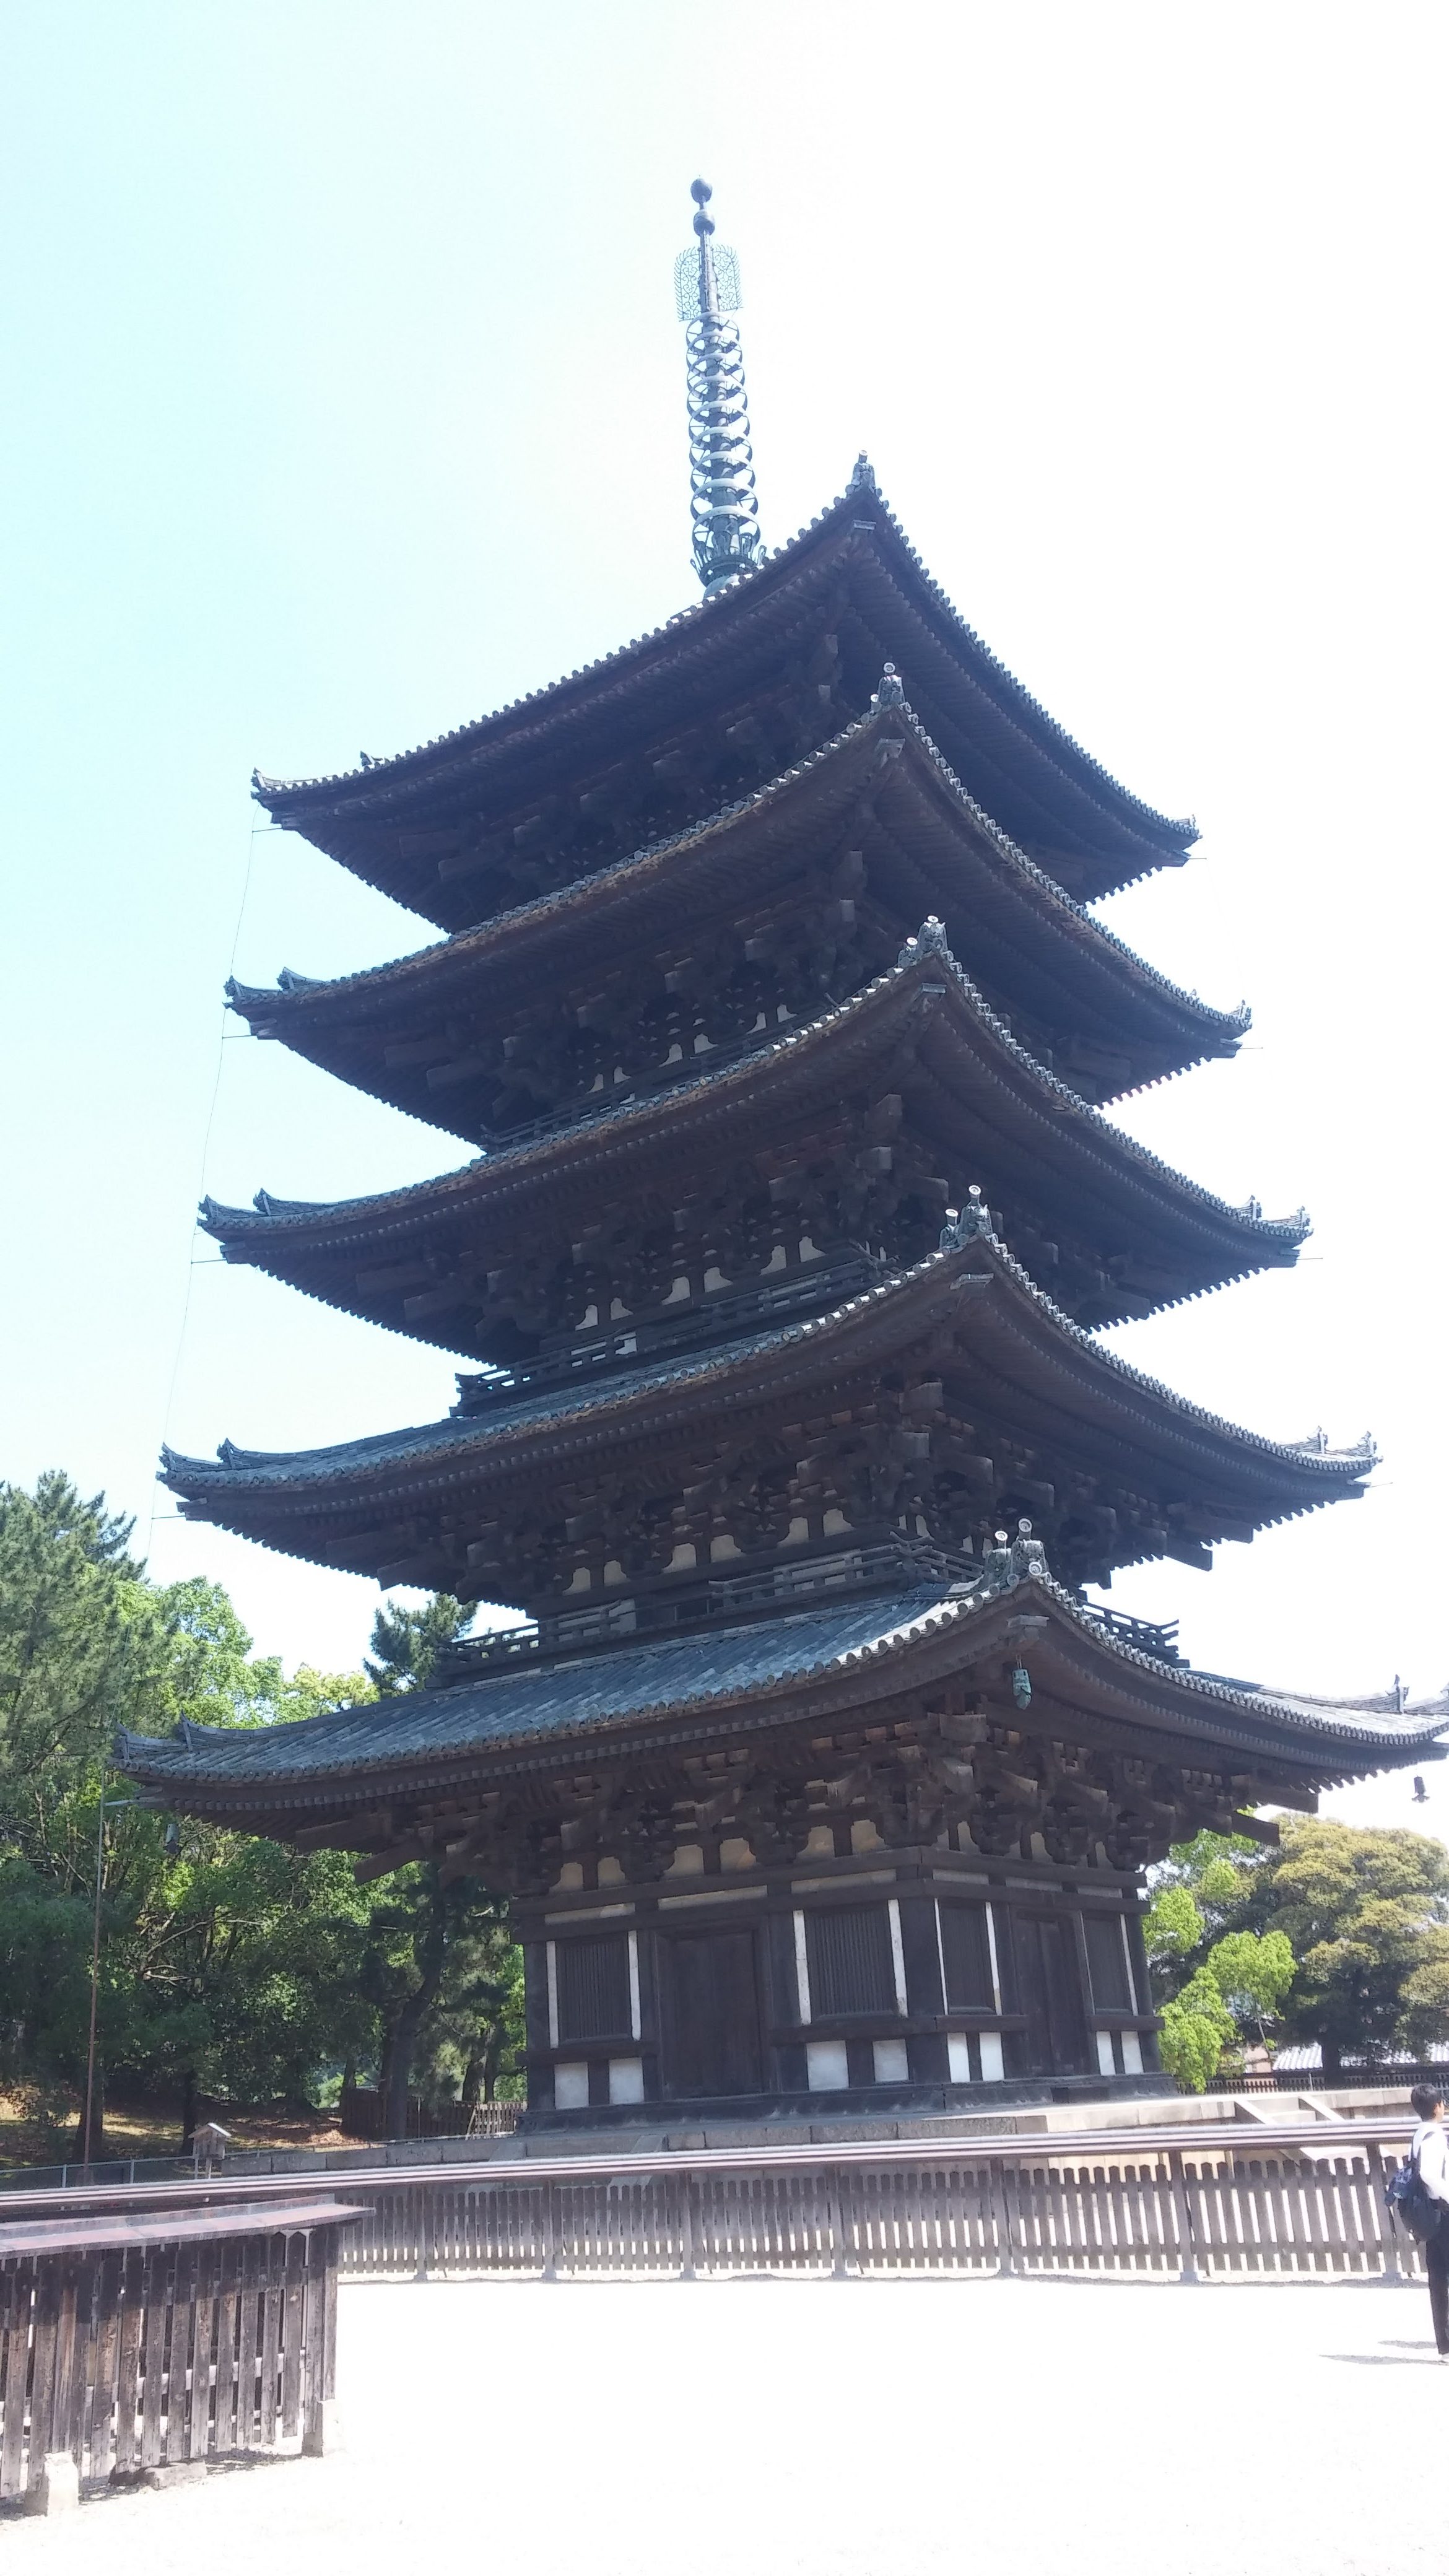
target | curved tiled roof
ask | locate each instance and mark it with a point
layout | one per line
(719, 605)
(543, 722)
(1071, 937)
(1297, 1476)
(1098, 1146)
(598, 1695)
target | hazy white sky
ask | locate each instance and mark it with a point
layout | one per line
(346, 402)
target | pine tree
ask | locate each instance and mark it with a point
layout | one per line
(405, 1643)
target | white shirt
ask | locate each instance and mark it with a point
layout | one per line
(1430, 2152)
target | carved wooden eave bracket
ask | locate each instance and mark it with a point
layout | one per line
(917, 1718)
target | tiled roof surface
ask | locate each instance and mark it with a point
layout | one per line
(1060, 911)
(371, 785)
(624, 1684)
(1112, 1378)
(568, 1402)
(1097, 1138)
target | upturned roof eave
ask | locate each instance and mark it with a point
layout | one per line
(1267, 1480)
(553, 1415)
(923, 1639)
(383, 788)
(1261, 1241)
(1067, 926)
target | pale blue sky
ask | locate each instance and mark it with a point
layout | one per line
(345, 401)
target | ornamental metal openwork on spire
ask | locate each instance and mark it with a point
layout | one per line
(723, 505)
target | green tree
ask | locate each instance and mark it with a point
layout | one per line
(446, 1983)
(72, 1667)
(45, 1965)
(1366, 1913)
(1172, 1927)
(472, 2041)
(1197, 2028)
(405, 1643)
(1193, 1895)
(445, 1979)
(229, 1965)
(225, 1962)
(1212, 1990)
(1253, 1973)
(235, 1966)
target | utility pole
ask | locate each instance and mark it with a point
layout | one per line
(107, 1806)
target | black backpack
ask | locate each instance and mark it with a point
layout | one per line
(1415, 2208)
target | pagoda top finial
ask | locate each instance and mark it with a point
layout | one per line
(701, 192)
(725, 511)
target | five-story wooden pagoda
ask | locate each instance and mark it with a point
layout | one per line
(770, 998)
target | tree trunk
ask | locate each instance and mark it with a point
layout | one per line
(491, 2056)
(188, 2109)
(403, 2037)
(1332, 2059)
(472, 2074)
(90, 2150)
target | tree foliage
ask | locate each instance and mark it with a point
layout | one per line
(1254, 1972)
(1339, 1937)
(1197, 2028)
(406, 1643)
(72, 1662)
(230, 1966)
(1367, 1915)
(1173, 1926)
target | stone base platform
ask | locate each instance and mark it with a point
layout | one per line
(884, 2112)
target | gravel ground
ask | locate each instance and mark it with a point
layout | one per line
(832, 2429)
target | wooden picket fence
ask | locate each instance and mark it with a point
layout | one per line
(1295, 2200)
(150, 2343)
(1219, 2214)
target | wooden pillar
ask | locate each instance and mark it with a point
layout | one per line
(687, 2270)
(1188, 2274)
(1002, 2210)
(321, 2428)
(1393, 2275)
(18, 2294)
(844, 2266)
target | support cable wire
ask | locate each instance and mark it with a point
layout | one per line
(192, 1263)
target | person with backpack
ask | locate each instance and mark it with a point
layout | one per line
(1428, 2161)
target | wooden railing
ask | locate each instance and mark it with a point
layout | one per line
(1291, 2201)
(161, 2340)
(1175, 2214)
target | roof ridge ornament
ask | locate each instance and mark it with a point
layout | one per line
(929, 941)
(723, 505)
(1318, 1445)
(969, 1224)
(891, 692)
(862, 477)
(1005, 1564)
